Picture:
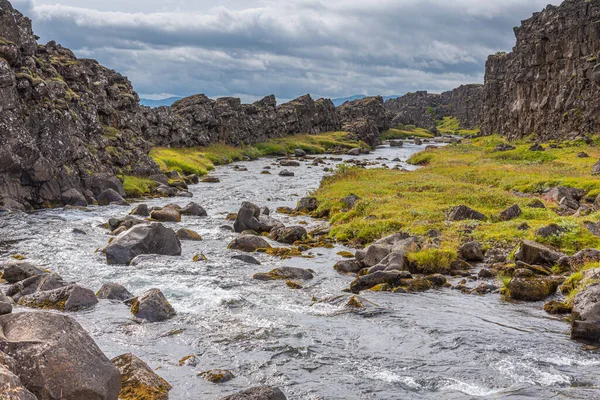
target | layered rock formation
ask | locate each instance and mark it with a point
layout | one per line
(422, 109)
(65, 123)
(198, 120)
(548, 84)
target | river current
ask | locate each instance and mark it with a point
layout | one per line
(441, 344)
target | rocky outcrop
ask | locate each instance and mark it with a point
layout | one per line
(548, 84)
(423, 109)
(56, 359)
(65, 123)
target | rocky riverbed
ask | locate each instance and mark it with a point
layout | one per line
(307, 341)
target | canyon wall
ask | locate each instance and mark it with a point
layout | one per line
(422, 109)
(548, 85)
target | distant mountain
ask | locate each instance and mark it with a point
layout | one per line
(342, 100)
(159, 103)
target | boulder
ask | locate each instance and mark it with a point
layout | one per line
(289, 163)
(139, 381)
(6, 304)
(285, 172)
(503, 147)
(533, 288)
(211, 179)
(110, 196)
(35, 284)
(394, 261)
(307, 204)
(125, 222)
(596, 168)
(299, 153)
(350, 201)
(374, 254)
(248, 243)
(11, 387)
(511, 212)
(258, 393)
(549, 230)
(586, 314)
(557, 194)
(247, 218)
(246, 258)
(18, 270)
(114, 291)
(534, 253)
(167, 214)
(73, 197)
(284, 273)
(267, 223)
(462, 212)
(536, 203)
(354, 152)
(68, 298)
(392, 278)
(151, 238)
(194, 209)
(56, 359)
(217, 375)
(141, 210)
(188, 234)
(471, 251)
(288, 235)
(348, 266)
(152, 306)
(592, 227)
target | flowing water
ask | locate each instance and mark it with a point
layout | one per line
(439, 344)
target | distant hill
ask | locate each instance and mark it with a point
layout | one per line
(342, 100)
(159, 103)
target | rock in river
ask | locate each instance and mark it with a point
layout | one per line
(288, 235)
(248, 243)
(188, 234)
(56, 359)
(152, 306)
(151, 238)
(586, 314)
(110, 196)
(258, 393)
(534, 253)
(284, 273)
(139, 381)
(114, 291)
(15, 271)
(68, 298)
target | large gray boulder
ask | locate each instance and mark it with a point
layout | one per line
(138, 378)
(284, 273)
(393, 278)
(56, 358)
(534, 253)
(35, 284)
(258, 393)
(151, 238)
(247, 218)
(11, 387)
(288, 235)
(248, 243)
(471, 251)
(152, 306)
(586, 314)
(15, 271)
(68, 298)
(114, 291)
(110, 196)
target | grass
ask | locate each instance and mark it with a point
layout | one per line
(137, 187)
(470, 174)
(201, 160)
(451, 126)
(432, 261)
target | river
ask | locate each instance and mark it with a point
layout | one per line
(438, 344)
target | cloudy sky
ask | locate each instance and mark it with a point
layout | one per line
(329, 48)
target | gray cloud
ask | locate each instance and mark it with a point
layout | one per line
(332, 49)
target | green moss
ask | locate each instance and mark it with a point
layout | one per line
(137, 187)
(405, 132)
(431, 261)
(451, 126)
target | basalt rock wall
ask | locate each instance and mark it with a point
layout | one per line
(423, 109)
(548, 85)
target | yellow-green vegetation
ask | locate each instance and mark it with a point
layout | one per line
(471, 174)
(137, 187)
(200, 160)
(432, 261)
(578, 282)
(451, 126)
(403, 132)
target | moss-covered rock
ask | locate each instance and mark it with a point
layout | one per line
(217, 375)
(138, 381)
(557, 307)
(532, 289)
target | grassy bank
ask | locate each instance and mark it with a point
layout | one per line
(447, 126)
(201, 160)
(470, 174)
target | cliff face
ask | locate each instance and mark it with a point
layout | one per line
(548, 84)
(198, 120)
(64, 123)
(422, 109)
